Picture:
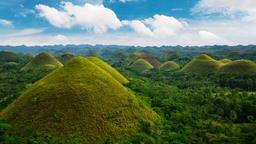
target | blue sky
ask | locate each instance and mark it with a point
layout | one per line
(127, 22)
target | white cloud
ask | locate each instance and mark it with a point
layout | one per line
(232, 8)
(5, 22)
(162, 25)
(210, 38)
(139, 27)
(24, 32)
(88, 16)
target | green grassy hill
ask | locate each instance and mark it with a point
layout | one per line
(141, 65)
(140, 55)
(6, 56)
(119, 77)
(43, 61)
(65, 57)
(225, 61)
(80, 103)
(240, 67)
(202, 64)
(169, 65)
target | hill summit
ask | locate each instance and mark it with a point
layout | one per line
(113, 72)
(141, 65)
(43, 61)
(202, 64)
(152, 60)
(169, 65)
(80, 103)
(239, 67)
(65, 57)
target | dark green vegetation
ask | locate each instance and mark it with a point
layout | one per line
(194, 106)
(43, 62)
(169, 65)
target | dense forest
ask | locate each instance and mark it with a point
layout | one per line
(201, 94)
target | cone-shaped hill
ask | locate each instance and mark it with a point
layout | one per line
(140, 55)
(239, 67)
(65, 57)
(225, 61)
(169, 65)
(109, 69)
(6, 56)
(141, 65)
(202, 64)
(43, 61)
(79, 102)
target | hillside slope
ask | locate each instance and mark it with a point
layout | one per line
(80, 103)
(43, 61)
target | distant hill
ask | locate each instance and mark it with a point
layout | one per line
(43, 61)
(6, 56)
(202, 64)
(239, 67)
(65, 57)
(225, 61)
(141, 65)
(119, 77)
(140, 55)
(169, 65)
(80, 103)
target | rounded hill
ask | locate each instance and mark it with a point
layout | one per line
(6, 56)
(113, 72)
(141, 65)
(225, 61)
(169, 65)
(80, 103)
(43, 61)
(239, 67)
(152, 60)
(65, 57)
(202, 64)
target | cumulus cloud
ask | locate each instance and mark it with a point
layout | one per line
(209, 37)
(88, 16)
(158, 26)
(245, 8)
(162, 25)
(139, 27)
(5, 22)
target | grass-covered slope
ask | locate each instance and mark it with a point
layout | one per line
(140, 55)
(202, 64)
(65, 57)
(119, 77)
(6, 56)
(239, 67)
(225, 61)
(43, 61)
(79, 102)
(141, 65)
(169, 65)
